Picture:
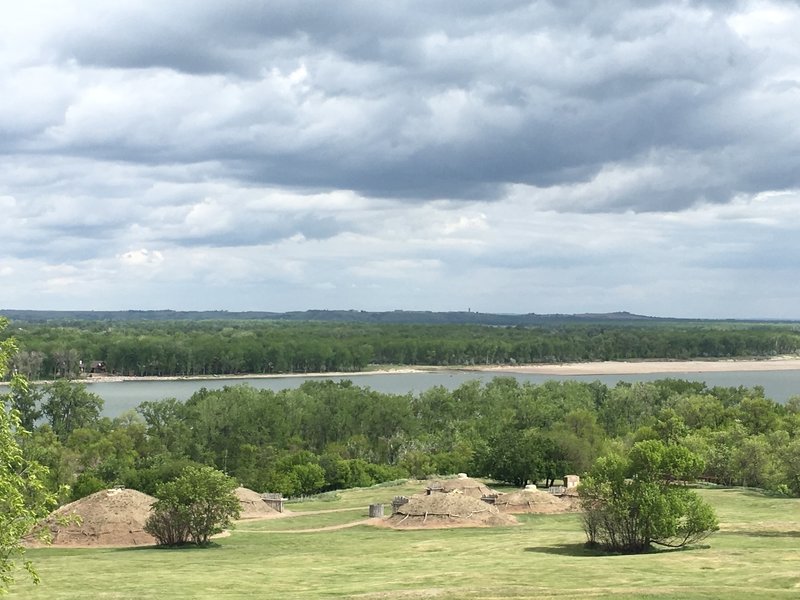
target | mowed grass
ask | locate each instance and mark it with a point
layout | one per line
(755, 555)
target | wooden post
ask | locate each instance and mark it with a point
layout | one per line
(397, 503)
(375, 510)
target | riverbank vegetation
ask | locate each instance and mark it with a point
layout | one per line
(195, 348)
(329, 435)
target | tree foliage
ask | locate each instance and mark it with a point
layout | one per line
(70, 406)
(193, 507)
(631, 503)
(521, 457)
(24, 496)
(174, 347)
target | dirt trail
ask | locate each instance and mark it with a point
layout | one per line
(370, 521)
(300, 513)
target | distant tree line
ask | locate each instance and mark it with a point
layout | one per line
(187, 348)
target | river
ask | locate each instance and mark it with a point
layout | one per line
(121, 396)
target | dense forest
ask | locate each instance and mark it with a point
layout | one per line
(49, 350)
(328, 435)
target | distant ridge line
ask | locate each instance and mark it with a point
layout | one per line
(345, 316)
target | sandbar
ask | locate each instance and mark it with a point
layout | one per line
(632, 367)
(648, 367)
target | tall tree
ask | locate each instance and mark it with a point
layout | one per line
(70, 406)
(26, 399)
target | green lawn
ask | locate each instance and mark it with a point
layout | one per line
(755, 555)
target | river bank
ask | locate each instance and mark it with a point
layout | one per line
(633, 367)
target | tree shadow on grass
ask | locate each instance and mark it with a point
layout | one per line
(767, 534)
(181, 548)
(582, 551)
(579, 550)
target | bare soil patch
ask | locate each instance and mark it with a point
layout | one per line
(113, 518)
(444, 510)
(533, 502)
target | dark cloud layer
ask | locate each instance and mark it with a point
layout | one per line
(442, 100)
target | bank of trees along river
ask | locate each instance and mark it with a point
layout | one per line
(327, 435)
(186, 348)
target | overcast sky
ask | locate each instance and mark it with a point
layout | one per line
(506, 156)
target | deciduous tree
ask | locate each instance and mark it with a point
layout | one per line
(631, 503)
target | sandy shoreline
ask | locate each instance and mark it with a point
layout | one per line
(649, 367)
(791, 363)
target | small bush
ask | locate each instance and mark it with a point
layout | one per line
(193, 507)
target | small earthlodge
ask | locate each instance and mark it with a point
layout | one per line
(252, 505)
(462, 484)
(444, 510)
(532, 501)
(114, 517)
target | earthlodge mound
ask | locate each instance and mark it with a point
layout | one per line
(462, 484)
(114, 517)
(444, 510)
(532, 502)
(252, 505)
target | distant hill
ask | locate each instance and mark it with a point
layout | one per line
(343, 316)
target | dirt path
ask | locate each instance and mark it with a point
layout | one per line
(289, 515)
(370, 521)
(300, 513)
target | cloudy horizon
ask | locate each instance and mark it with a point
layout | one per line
(506, 157)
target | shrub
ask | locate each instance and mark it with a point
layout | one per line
(631, 502)
(193, 507)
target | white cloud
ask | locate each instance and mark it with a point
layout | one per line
(142, 257)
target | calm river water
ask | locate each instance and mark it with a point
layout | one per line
(121, 396)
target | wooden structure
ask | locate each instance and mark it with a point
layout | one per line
(397, 502)
(98, 366)
(274, 500)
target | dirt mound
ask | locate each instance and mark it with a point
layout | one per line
(443, 510)
(252, 505)
(571, 497)
(107, 518)
(532, 501)
(465, 485)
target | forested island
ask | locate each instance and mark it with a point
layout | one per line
(63, 345)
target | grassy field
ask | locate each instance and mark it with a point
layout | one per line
(756, 554)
